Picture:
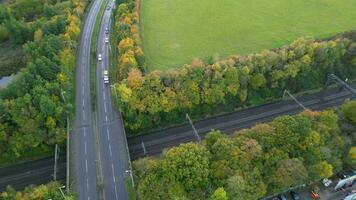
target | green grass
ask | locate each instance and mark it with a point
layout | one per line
(175, 32)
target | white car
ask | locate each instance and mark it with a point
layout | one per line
(99, 57)
(106, 40)
(106, 76)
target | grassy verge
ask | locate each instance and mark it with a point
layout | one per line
(130, 190)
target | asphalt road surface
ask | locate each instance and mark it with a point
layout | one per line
(32, 173)
(154, 143)
(83, 146)
(112, 139)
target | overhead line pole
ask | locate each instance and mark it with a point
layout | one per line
(333, 77)
(193, 127)
(55, 162)
(291, 96)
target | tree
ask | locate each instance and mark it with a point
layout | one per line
(290, 172)
(187, 164)
(219, 194)
(246, 187)
(348, 109)
(156, 188)
(352, 157)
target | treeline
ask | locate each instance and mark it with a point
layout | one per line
(263, 160)
(41, 192)
(127, 19)
(33, 108)
(159, 98)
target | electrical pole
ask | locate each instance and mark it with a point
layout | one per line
(55, 162)
(193, 127)
(144, 148)
(62, 193)
(291, 96)
(67, 178)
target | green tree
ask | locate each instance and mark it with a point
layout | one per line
(290, 172)
(219, 194)
(187, 164)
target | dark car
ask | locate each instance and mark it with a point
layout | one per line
(294, 195)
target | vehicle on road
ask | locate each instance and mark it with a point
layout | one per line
(108, 8)
(294, 195)
(106, 30)
(106, 40)
(106, 76)
(100, 57)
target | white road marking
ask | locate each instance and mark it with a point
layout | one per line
(85, 147)
(87, 185)
(105, 107)
(83, 115)
(110, 150)
(86, 166)
(108, 135)
(113, 174)
(116, 192)
(88, 198)
(83, 103)
(106, 118)
(104, 96)
(85, 134)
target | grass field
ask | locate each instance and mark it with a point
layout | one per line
(176, 31)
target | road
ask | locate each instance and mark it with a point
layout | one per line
(154, 142)
(83, 147)
(32, 173)
(112, 139)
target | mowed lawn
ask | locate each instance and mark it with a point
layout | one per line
(176, 31)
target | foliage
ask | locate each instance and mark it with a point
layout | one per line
(161, 98)
(35, 106)
(263, 160)
(219, 194)
(127, 32)
(349, 111)
(41, 192)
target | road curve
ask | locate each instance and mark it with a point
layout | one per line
(154, 143)
(83, 149)
(112, 139)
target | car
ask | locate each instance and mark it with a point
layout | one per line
(106, 40)
(106, 30)
(99, 57)
(108, 8)
(106, 76)
(294, 195)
